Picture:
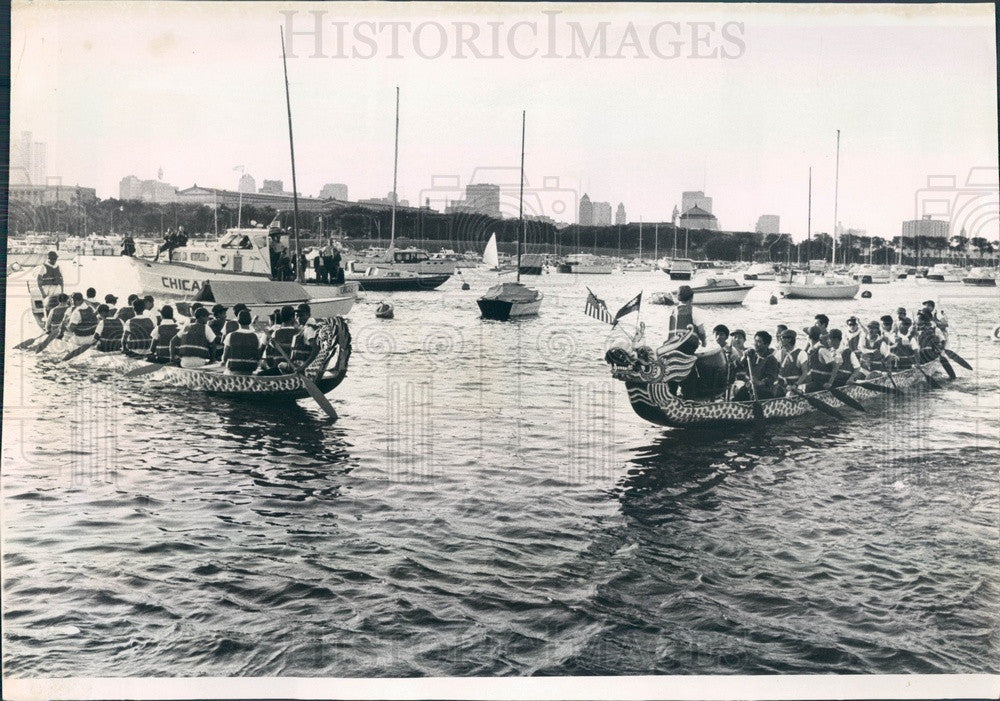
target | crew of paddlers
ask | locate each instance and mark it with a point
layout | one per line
(204, 336)
(826, 357)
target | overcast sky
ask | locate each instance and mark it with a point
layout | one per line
(737, 100)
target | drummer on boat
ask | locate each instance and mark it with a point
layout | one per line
(50, 276)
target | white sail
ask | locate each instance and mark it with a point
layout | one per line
(490, 255)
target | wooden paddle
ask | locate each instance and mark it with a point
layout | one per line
(45, 344)
(879, 388)
(847, 399)
(77, 352)
(315, 392)
(947, 367)
(817, 403)
(758, 410)
(24, 345)
(146, 369)
(958, 359)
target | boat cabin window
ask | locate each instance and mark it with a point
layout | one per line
(411, 256)
(239, 241)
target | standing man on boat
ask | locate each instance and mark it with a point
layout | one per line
(128, 246)
(684, 317)
(50, 276)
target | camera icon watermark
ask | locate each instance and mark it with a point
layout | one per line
(968, 213)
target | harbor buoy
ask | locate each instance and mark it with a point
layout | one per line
(384, 311)
(465, 286)
(774, 300)
(867, 294)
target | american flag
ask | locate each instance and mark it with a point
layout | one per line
(676, 365)
(597, 308)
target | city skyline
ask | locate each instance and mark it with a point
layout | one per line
(721, 135)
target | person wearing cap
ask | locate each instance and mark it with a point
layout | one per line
(138, 332)
(927, 337)
(128, 311)
(91, 298)
(685, 317)
(282, 334)
(854, 333)
(81, 322)
(49, 275)
(163, 334)
(109, 330)
(233, 324)
(872, 348)
(793, 363)
(111, 302)
(305, 345)
(938, 317)
(241, 348)
(194, 342)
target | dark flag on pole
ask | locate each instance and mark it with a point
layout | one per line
(632, 306)
(597, 308)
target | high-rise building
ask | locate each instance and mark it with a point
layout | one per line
(602, 213)
(695, 198)
(27, 161)
(768, 224)
(336, 191)
(586, 211)
(926, 227)
(247, 184)
(272, 187)
(130, 188)
(484, 198)
(620, 217)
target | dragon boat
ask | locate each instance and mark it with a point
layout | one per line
(651, 378)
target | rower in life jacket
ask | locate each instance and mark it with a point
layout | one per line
(683, 318)
(81, 322)
(846, 366)
(871, 349)
(163, 334)
(57, 314)
(109, 330)
(241, 349)
(194, 343)
(822, 361)
(928, 336)
(854, 333)
(903, 352)
(793, 364)
(305, 346)
(283, 335)
(138, 333)
(50, 277)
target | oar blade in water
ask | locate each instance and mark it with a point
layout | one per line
(147, 369)
(958, 359)
(847, 399)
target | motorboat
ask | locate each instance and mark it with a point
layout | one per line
(713, 291)
(946, 272)
(262, 297)
(812, 285)
(760, 271)
(509, 300)
(681, 269)
(586, 264)
(981, 277)
(376, 278)
(872, 274)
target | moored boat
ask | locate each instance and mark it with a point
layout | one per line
(374, 278)
(681, 269)
(945, 272)
(981, 277)
(714, 291)
(872, 274)
(760, 271)
(586, 264)
(509, 300)
(810, 285)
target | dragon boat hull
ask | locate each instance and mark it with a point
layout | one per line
(653, 402)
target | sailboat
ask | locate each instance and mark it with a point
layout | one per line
(406, 269)
(814, 284)
(512, 299)
(491, 258)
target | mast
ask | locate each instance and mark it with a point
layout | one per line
(809, 219)
(656, 241)
(291, 146)
(395, 171)
(640, 240)
(520, 205)
(836, 188)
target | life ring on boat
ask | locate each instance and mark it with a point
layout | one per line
(996, 334)
(15, 267)
(223, 259)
